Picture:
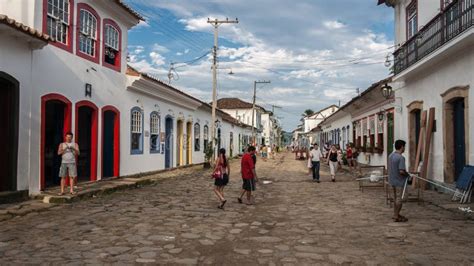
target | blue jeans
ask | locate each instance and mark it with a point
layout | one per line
(315, 170)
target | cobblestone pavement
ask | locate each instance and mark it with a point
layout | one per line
(295, 222)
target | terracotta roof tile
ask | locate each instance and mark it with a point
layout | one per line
(130, 10)
(4, 19)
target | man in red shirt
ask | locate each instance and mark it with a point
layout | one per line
(249, 176)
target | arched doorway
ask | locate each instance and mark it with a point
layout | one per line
(86, 138)
(9, 107)
(55, 123)
(414, 127)
(189, 154)
(168, 142)
(455, 131)
(179, 143)
(110, 142)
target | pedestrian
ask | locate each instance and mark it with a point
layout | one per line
(68, 151)
(310, 165)
(221, 177)
(269, 152)
(398, 177)
(264, 152)
(349, 155)
(249, 176)
(339, 156)
(315, 156)
(332, 161)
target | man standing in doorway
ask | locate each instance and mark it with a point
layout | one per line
(315, 161)
(249, 176)
(397, 177)
(68, 151)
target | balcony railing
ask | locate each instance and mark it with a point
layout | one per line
(452, 21)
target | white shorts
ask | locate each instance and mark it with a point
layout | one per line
(333, 167)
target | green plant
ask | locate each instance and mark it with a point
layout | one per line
(209, 152)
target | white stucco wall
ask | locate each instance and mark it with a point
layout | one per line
(428, 87)
(14, 56)
(427, 9)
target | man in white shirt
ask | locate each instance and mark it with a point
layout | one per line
(316, 156)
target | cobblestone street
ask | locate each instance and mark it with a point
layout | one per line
(294, 222)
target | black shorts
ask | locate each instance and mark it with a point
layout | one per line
(220, 182)
(248, 184)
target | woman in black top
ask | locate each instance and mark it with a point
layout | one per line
(333, 162)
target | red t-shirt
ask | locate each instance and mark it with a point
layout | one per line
(247, 166)
(349, 153)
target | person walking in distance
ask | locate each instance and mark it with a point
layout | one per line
(397, 177)
(221, 177)
(315, 156)
(349, 157)
(249, 176)
(333, 162)
(310, 165)
(68, 151)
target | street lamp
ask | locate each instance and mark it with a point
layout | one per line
(387, 91)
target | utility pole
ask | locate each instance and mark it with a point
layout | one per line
(253, 107)
(215, 23)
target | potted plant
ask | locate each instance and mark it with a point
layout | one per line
(208, 155)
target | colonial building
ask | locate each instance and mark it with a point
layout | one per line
(68, 85)
(433, 68)
(244, 112)
(311, 122)
(366, 121)
(63, 68)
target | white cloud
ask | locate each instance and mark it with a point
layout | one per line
(333, 24)
(311, 63)
(157, 59)
(159, 48)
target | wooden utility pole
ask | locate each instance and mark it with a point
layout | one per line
(215, 23)
(253, 108)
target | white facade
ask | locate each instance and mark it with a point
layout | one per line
(312, 121)
(61, 89)
(337, 128)
(442, 79)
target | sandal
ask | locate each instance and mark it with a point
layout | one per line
(61, 194)
(222, 204)
(400, 219)
(73, 192)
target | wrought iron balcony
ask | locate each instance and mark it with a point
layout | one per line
(456, 18)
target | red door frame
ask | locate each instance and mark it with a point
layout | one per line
(67, 126)
(116, 139)
(94, 129)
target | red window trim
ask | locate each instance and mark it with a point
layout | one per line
(67, 127)
(415, 3)
(116, 140)
(94, 130)
(70, 31)
(96, 58)
(118, 65)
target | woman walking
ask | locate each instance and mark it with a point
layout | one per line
(333, 162)
(221, 175)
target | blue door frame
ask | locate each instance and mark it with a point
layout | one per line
(168, 142)
(459, 137)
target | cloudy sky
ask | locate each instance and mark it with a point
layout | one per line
(315, 52)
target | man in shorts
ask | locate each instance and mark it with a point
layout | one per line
(68, 151)
(249, 176)
(397, 177)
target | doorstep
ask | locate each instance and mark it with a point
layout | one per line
(13, 196)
